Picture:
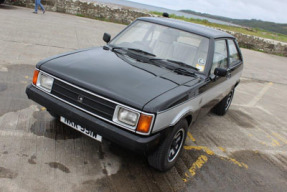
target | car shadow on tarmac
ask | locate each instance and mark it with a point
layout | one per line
(198, 167)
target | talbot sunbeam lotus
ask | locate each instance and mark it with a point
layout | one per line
(145, 87)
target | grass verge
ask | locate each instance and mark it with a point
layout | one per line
(248, 31)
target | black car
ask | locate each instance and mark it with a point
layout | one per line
(145, 87)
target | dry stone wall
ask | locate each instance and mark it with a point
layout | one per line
(260, 44)
(84, 8)
(126, 15)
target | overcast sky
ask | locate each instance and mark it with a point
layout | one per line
(267, 10)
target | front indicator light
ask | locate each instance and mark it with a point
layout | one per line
(144, 123)
(35, 77)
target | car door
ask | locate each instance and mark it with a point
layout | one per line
(235, 61)
(214, 89)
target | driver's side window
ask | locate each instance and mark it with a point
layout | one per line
(220, 55)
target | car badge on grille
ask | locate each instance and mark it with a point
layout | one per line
(80, 99)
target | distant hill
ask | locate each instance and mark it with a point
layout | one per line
(254, 23)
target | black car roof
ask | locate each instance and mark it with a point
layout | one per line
(188, 26)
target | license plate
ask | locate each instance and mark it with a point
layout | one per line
(81, 129)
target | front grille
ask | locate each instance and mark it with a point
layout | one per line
(84, 100)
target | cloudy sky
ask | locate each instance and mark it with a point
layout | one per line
(267, 10)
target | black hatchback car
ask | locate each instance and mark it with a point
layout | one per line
(145, 87)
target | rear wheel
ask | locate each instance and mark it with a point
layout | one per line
(222, 107)
(168, 152)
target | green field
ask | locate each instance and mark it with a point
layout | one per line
(249, 31)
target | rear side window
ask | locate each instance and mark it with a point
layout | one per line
(220, 55)
(234, 57)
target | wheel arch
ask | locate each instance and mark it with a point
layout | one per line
(188, 119)
(185, 114)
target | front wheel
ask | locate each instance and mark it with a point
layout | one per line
(222, 107)
(168, 152)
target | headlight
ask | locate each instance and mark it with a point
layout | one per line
(134, 120)
(127, 116)
(44, 81)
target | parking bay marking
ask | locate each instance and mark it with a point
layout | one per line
(203, 159)
(259, 96)
(280, 137)
(190, 136)
(14, 133)
(272, 139)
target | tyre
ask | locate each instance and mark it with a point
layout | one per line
(222, 107)
(169, 150)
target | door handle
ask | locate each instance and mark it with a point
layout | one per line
(228, 76)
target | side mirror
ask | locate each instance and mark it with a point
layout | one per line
(107, 37)
(221, 72)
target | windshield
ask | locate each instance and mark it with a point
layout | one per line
(165, 43)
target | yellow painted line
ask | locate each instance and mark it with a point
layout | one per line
(43, 109)
(201, 160)
(259, 96)
(222, 149)
(210, 152)
(273, 143)
(280, 137)
(190, 136)
(200, 148)
(240, 164)
(26, 77)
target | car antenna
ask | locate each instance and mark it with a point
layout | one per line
(165, 15)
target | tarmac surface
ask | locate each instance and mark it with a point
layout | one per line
(246, 150)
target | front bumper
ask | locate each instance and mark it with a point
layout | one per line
(137, 143)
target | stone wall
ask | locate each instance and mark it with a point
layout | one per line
(84, 8)
(260, 44)
(126, 15)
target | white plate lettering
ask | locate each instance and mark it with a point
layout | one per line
(81, 129)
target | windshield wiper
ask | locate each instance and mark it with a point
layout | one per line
(183, 72)
(182, 64)
(178, 70)
(135, 50)
(142, 51)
